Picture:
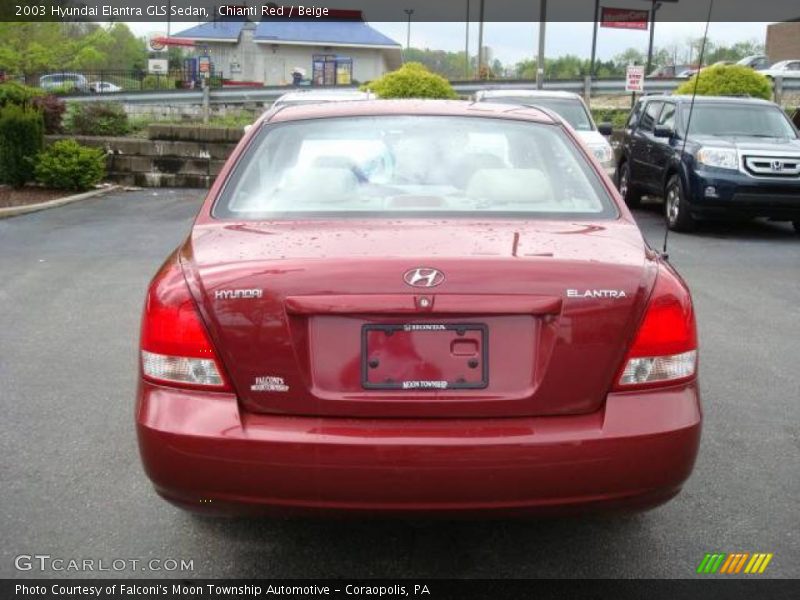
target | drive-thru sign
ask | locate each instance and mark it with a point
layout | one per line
(634, 78)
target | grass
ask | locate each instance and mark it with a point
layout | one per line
(138, 125)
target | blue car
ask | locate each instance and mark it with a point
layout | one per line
(735, 158)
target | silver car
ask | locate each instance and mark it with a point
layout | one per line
(572, 109)
(66, 81)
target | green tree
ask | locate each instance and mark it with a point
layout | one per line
(447, 64)
(735, 52)
(42, 46)
(631, 56)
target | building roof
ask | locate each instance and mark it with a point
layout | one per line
(317, 33)
(222, 31)
(339, 33)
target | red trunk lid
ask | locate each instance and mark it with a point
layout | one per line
(532, 318)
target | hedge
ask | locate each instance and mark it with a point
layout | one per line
(412, 80)
(21, 139)
(728, 80)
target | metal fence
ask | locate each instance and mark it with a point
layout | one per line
(787, 91)
(76, 83)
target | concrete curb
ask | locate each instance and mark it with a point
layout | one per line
(13, 211)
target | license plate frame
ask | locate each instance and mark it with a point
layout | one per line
(426, 385)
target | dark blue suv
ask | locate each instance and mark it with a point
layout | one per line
(741, 159)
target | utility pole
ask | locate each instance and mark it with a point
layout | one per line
(594, 37)
(480, 38)
(540, 57)
(654, 7)
(409, 12)
(466, 47)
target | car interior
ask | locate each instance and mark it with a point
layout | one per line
(396, 164)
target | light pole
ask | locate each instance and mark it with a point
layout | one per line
(409, 12)
(654, 7)
(466, 47)
(594, 37)
(540, 58)
(480, 37)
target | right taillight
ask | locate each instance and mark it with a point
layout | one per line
(664, 350)
(175, 347)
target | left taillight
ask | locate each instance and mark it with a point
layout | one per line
(175, 347)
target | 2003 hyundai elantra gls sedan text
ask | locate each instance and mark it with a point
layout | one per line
(416, 307)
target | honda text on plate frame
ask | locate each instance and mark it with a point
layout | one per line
(411, 325)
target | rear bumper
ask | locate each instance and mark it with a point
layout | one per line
(203, 454)
(738, 195)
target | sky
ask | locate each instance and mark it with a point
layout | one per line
(513, 42)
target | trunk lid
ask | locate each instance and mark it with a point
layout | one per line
(545, 308)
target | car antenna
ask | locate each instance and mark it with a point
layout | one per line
(689, 118)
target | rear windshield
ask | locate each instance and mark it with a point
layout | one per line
(739, 120)
(412, 166)
(570, 109)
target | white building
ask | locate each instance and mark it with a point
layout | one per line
(330, 52)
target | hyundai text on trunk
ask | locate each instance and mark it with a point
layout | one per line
(423, 307)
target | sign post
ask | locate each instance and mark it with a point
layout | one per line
(204, 69)
(634, 81)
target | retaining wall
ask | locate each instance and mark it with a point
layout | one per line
(176, 156)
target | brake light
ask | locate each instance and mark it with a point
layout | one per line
(665, 348)
(175, 346)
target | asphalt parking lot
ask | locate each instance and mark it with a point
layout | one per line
(72, 281)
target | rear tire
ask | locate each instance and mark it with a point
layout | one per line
(676, 208)
(632, 196)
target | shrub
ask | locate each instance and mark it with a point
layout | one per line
(65, 89)
(66, 165)
(12, 92)
(616, 116)
(412, 80)
(728, 80)
(21, 139)
(97, 118)
(52, 109)
(158, 82)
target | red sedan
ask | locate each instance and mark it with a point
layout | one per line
(416, 307)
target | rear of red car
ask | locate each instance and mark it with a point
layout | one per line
(410, 359)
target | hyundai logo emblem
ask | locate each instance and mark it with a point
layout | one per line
(423, 277)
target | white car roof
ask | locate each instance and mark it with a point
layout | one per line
(526, 93)
(324, 96)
